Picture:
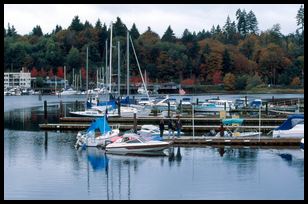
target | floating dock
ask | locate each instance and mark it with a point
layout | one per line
(123, 127)
(235, 141)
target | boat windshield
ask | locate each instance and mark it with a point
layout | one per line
(296, 121)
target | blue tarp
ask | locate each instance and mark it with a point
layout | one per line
(101, 124)
(231, 121)
(288, 123)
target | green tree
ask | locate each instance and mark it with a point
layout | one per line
(119, 28)
(57, 29)
(229, 31)
(168, 35)
(76, 25)
(134, 32)
(300, 18)
(252, 23)
(241, 82)
(73, 58)
(11, 31)
(37, 31)
(254, 81)
(227, 63)
(241, 22)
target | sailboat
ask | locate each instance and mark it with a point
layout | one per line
(98, 134)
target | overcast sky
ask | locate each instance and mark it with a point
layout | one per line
(194, 17)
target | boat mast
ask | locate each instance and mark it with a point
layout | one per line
(106, 64)
(87, 73)
(110, 64)
(74, 81)
(119, 79)
(127, 63)
(64, 77)
(97, 78)
(139, 67)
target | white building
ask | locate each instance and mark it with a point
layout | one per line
(20, 79)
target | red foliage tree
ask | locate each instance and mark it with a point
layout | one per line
(60, 72)
(217, 77)
(83, 73)
(136, 80)
(188, 82)
(34, 72)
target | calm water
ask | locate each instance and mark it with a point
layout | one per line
(45, 165)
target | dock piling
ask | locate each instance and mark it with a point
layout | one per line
(45, 111)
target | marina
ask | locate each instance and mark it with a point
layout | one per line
(96, 110)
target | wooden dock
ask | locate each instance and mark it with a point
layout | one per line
(124, 127)
(234, 141)
(185, 120)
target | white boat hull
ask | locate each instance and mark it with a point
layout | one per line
(143, 147)
(297, 131)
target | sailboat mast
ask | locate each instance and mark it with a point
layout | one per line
(110, 62)
(127, 63)
(119, 79)
(106, 64)
(74, 79)
(139, 68)
(97, 78)
(87, 72)
(64, 77)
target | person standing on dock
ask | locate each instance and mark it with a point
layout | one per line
(161, 127)
(221, 130)
(178, 126)
(170, 127)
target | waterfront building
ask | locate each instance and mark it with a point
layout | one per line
(20, 79)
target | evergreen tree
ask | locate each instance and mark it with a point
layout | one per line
(300, 18)
(252, 23)
(226, 62)
(37, 31)
(187, 36)
(87, 25)
(11, 32)
(168, 35)
(57, 29)
(98, 25)
(134, 32)
(241, 22)
(119, 28)
(76, 25)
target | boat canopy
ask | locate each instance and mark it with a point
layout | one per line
(231, 121)
(101, 124)
(291, 122)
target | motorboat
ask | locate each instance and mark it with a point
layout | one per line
(151, 130)
(98, 134)
(238, 131)
(214, 105)
(135, 143)
(186, 102)
(96, 111)
(293, 127)
(69, 91)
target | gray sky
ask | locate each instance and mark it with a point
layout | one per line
(194, 17)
